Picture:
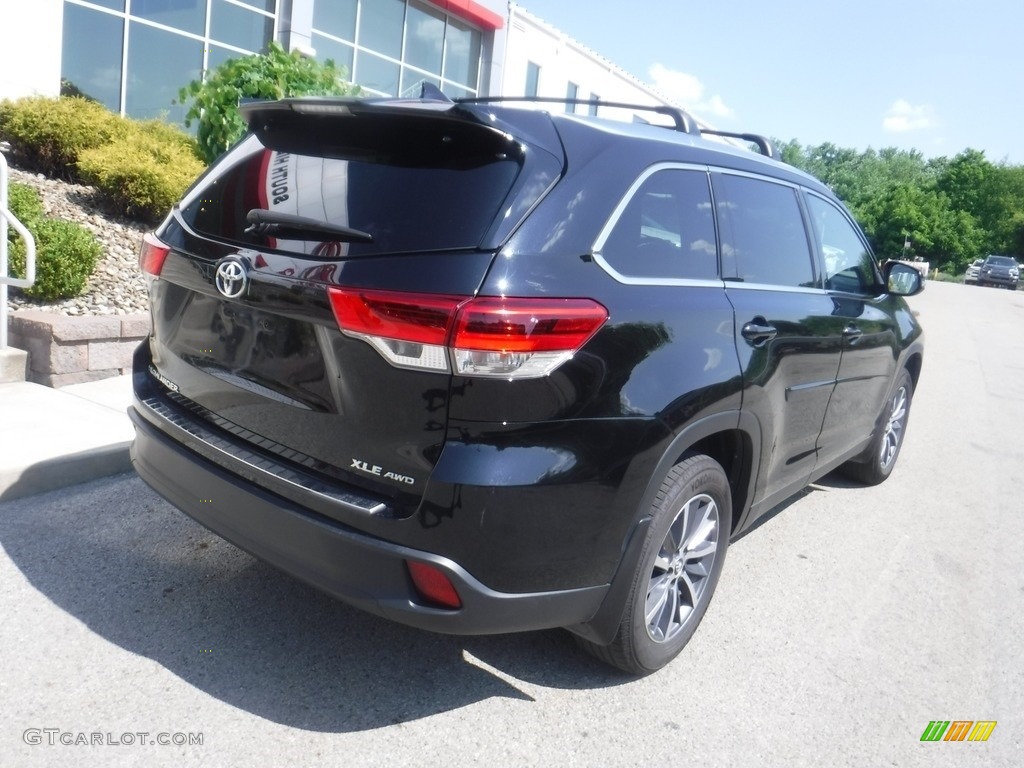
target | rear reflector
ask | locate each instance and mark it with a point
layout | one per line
(433, 585)
(152, 255)
(513, 338)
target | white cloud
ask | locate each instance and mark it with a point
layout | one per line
(904, 116)
(688, 91)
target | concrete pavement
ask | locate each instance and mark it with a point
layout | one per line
(54, 438)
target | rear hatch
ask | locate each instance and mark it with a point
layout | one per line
(372, 214)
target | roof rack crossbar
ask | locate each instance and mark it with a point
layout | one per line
(683, 121)
(763, 144)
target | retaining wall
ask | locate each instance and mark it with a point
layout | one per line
(70, 350)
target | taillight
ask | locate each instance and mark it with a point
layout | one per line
(433, 585)
(152, 255)
(521, 338)
(512, 338)
(408, 329)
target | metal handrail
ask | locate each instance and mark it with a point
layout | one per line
(30, 249)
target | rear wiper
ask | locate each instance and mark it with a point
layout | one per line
(285, 225)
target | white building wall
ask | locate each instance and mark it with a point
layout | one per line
(563, 60)
(30, 47)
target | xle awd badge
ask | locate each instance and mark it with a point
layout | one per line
(231, 278)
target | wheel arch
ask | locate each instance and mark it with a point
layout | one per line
(732, 439)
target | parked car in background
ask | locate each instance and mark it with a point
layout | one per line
(999, 271)
(971, 275)
(483, 369)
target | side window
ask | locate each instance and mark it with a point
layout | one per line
(849, 266)
(666, 229)
(762, 232)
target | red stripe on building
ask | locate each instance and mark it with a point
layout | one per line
(472, 12)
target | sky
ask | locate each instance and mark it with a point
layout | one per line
(935, 76)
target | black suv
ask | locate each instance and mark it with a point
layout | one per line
(481, 368)
(999, 270)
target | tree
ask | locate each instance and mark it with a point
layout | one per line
(275, 74)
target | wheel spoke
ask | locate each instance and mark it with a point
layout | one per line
(707, 548)
(657, 596)
(688, 591)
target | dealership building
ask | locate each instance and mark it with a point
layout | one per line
(134, 55)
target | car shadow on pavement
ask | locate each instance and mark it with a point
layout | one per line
(147, 578)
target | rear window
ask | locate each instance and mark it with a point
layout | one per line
(410, 197)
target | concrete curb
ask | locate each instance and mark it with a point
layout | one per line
(56, 438)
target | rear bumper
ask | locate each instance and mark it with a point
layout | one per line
(352, 566)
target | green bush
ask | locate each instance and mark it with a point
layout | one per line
(66, 254)
(275, 74)
(48, 135)
(145, 171)
(26, 205)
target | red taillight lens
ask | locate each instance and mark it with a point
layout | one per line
(527, 325)
(413, 317)
(433, 585)
(152, 255)
(488, 336)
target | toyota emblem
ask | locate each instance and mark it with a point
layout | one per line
(231, 278)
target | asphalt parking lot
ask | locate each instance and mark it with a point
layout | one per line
(843, 625)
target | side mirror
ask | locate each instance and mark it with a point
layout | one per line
(902, 279)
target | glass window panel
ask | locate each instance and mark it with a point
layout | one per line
(159, 63)
(412, 81)
(91, 57)
(456, 91)
(381, 29)
(849, 266)
(666, 230)
(377, 74)
(532, 78)
(115, 5)
(265, 5)
(218, 56)
(572, 92)
(462, 54)
(339, 53)
(424, 38)
(240, 27)
(186, 15)
(762, 233)
(336, 17)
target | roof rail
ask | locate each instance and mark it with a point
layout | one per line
(683, 121)
(763, 144)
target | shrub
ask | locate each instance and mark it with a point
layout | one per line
(26, 205)
(66, 254)
(48, 135)
(272, 75)
(145, 171)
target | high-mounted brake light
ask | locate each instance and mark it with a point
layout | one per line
(152, 255)
(514, 338)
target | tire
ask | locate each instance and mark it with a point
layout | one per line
(879, 458)
(680, 564)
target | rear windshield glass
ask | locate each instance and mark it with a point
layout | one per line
(403, 204)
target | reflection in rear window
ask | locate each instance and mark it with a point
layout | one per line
(404, 208)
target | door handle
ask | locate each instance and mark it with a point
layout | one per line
(759, 332)
(851, 333)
